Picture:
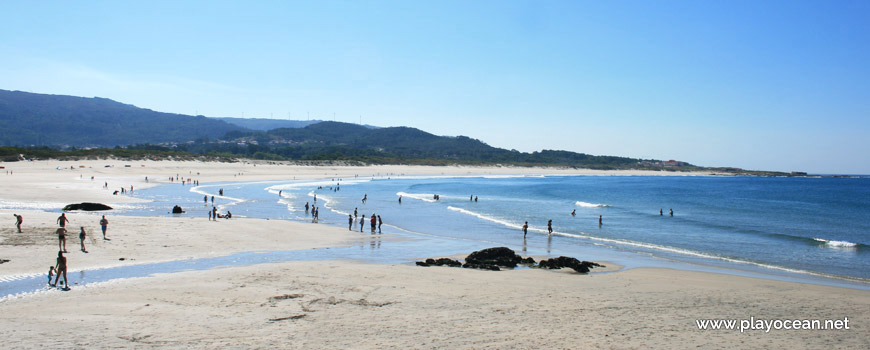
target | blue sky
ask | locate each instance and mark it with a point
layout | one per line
(769, 85)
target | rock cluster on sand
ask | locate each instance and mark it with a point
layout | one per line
(495, 258)
(564, 261)
(87, 207)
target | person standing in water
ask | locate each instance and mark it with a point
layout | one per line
(550, 227)
(349, 222)
(525, 229)
(374, 222)
(600, 220)
(103, 225)
(660, 212)
(18, 221)
(574, 212)
(362, 222)
(671, 211)
(380, 222)
(59, 269)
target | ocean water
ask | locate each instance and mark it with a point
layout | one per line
(792, 226)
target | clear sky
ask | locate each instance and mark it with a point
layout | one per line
(768, 85)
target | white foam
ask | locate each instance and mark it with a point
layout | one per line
(836, 244)
(484, 217)
(651, 246)
(426, 197)
(591, 205)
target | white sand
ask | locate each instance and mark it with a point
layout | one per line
(339, 304)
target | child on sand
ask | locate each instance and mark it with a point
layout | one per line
(50, 274)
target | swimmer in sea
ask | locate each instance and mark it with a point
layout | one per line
(574, 212)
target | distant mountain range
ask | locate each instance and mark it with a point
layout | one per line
(28, 120)
(54, 120)
(265, 124)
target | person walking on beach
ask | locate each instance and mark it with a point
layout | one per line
(103, 225)
(349, 222)
(82, 236)
(59, 269)
(550, 227)
(61, 238)
(362, 223)
(18, 221)
(525, 229)
(62, 220)
(380, 222)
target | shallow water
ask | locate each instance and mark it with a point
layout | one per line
(784, 229)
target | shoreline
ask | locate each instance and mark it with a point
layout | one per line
(341, 303)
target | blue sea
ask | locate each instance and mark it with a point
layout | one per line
(791, 228)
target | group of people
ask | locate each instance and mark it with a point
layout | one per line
(214, 215)
(60, 267)
(375, 222)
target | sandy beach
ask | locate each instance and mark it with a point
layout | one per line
(348, 304)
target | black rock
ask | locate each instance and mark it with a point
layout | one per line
(446, 261)
(177, 210)
(564, 261)
(499, 256)
(481, 266)
(87, 207)
(439, 262)
(527, 261)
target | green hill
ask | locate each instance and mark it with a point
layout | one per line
(55, 120)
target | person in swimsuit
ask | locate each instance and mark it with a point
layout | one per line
(62, 220)
(525, 229)
(18, 221)
(380, 222)
(374, 222)
(82, 236)
(550, 226)
(61, 238)
(60, 268)
(103, 225)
